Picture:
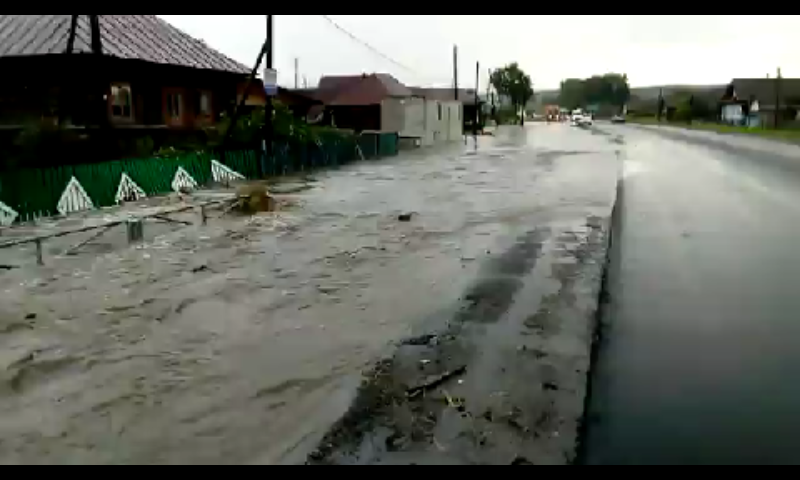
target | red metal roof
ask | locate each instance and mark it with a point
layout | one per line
(360, 90)
(140, 37)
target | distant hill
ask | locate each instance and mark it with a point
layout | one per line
(651, 93)
(647, 94)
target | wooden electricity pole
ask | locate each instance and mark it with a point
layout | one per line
(99, 74)
(455, 71)
(266, 48)
(73, 26)
(97, 43)
(778, 100)
(477, 98)
(268, 126)
(68, 86)
(296, 73)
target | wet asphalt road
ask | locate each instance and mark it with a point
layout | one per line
(701, 351)
(244, 341)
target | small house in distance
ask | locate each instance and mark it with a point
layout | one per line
(379, 103)
(364, 103)
(753, 102)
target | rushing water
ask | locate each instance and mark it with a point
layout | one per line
(242, 341)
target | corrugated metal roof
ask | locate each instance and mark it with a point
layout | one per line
(140, 37)
(357, 90)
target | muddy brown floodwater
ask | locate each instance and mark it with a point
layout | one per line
(244, 341)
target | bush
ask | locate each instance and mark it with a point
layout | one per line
(249, 127)
(684, 112)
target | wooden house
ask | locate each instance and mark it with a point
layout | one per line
(754, 101)
(123, 72)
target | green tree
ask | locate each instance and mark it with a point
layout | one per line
(250, 128)
(512, 82)
(611, 89)
(619, 90)
(684, 111)
(572, 94)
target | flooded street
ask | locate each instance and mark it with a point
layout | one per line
(243, 341)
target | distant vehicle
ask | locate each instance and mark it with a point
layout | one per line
(617, 119)
(576, 118)
(581, 119)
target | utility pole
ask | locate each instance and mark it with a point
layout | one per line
(97, 43)
(477, 98)
(102, 86)
(778, 99)
(296, 73)
(455, 71)
(265, 47)
(489, 84)
(73, 26)
(268, 127)
(70, 84)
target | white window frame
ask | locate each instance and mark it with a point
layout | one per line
(116, 101)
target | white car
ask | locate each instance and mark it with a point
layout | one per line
(582, 120)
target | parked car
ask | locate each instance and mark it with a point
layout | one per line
(617, 119)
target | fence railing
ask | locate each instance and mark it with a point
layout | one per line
(26, 194)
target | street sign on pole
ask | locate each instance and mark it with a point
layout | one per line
(271, 81)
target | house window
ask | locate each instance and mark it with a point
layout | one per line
(174, 106)
(121, 101)
(203, 106)
(440, 111)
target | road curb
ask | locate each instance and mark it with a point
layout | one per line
(601, 316)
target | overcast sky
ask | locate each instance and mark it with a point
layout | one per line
(652, 50)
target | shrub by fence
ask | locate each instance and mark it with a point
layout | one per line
(33, 193)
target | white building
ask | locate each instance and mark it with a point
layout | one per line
(380, 103)
(434, 116)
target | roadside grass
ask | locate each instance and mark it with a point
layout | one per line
(783, 135)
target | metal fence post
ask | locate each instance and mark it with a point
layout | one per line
(39, 253)
(135, 231)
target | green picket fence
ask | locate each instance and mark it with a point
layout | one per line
(35, 193)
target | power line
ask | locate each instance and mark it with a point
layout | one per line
(368, 46)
